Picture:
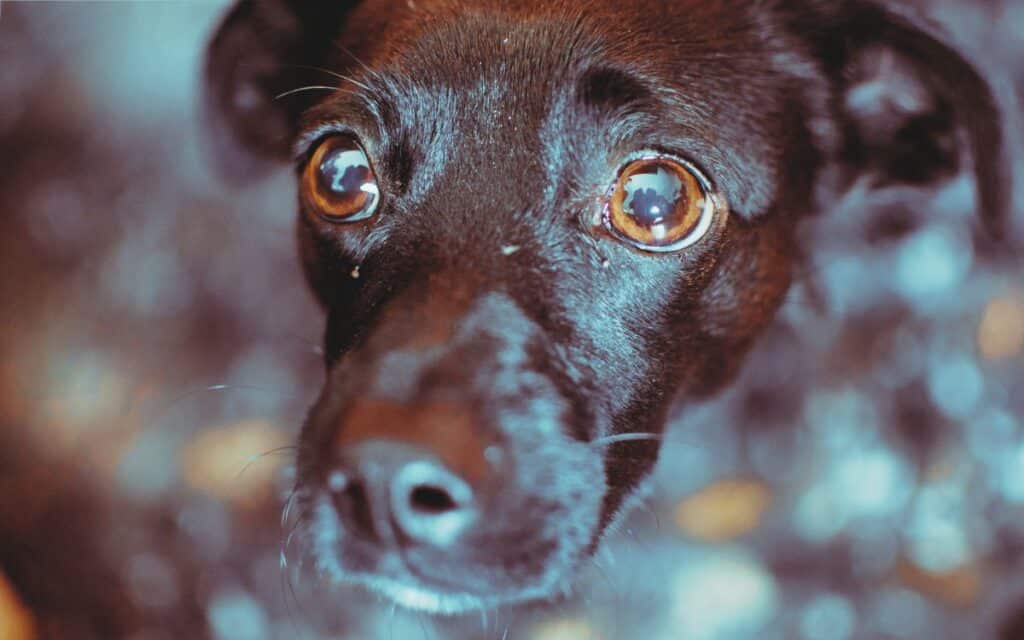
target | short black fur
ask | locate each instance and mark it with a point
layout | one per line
(496, 129)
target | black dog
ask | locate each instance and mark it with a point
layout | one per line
(535, 225)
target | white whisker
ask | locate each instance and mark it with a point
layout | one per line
(373, 73)
(312, 87)
(259, 456)
(624, 437)
(334, 74)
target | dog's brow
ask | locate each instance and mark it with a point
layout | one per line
(304, 141)
(329, 120)
(610, 89)
(368, 106)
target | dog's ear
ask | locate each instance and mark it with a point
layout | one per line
(907, 100)
(263, 49)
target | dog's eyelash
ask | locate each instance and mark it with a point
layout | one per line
(307, 142)
(312, 87)
(367, 68)
(334, 74)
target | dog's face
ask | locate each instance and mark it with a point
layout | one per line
(533, 226)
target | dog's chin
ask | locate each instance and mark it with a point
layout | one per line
(423, 599)
(394, 583)
(427, 600)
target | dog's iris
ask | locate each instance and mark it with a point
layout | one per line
(338, 181)
(659, 204)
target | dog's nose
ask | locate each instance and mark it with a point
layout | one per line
(430, 504)
(401, 494)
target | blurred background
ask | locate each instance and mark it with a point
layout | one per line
(158, 349)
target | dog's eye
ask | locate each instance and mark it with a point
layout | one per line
(338, 181)
(659, 204)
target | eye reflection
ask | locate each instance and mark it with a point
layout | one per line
(659, 204)
(652, 198)
(339, 182)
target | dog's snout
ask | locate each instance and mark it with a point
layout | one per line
(400, 494)
(444, 430)
(411, 474)
(436, 452)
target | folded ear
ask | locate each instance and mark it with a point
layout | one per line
(908, 99)
(263, 49)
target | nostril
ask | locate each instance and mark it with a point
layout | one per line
(353, 504)
(431, 500)
(431, 505)
(392, 493)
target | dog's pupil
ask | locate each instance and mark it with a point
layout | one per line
(653, 198)
(345, 173)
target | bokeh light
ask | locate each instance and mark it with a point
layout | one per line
(862, 480)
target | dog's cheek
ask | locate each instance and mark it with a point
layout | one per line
(742, 297)
(569, 476)
(335, 274)
(317, 266)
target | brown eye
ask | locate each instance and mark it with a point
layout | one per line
(659, 204)
(338, 181)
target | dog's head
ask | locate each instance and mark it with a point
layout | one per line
(533, 225)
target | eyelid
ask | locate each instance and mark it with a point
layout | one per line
(308, 141)
(684, 159)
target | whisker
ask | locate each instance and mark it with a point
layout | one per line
(497, 620)
(624, 437)
(288, 530)
(286, 573)
(313, 347)
(294, 528)
(366, 67)
(606, 552)
(249, 387)
(150, 416)
(646, 505)
(603, 574)
(312, 87)
(286, 585)
(288, 503)
(335, 74)
(256, 458)
(392, 615)
(288, 589)
(427, 633)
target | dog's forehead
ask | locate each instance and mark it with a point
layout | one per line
(528, 46)
(496, 79)
(491, 73)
